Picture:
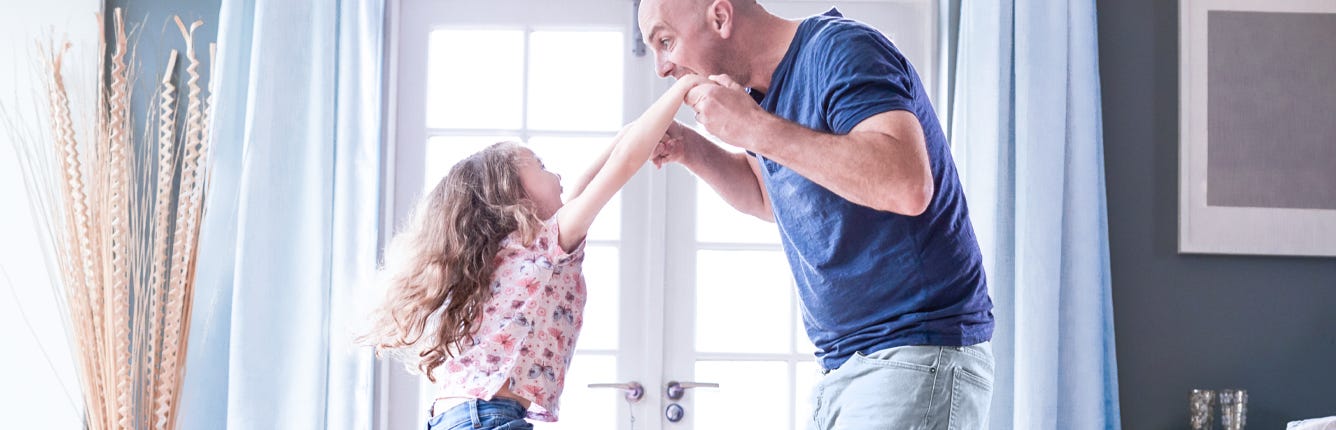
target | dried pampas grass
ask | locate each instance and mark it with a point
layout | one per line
(120, 224)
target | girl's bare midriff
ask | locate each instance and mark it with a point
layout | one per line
(445, 403)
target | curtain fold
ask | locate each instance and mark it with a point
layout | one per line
(291, 229)
(1027, 135)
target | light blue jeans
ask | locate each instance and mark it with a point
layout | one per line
(497, 414)
(908, 387)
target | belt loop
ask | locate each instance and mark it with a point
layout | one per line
(473, 413)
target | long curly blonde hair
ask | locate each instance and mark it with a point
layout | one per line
(437, 271)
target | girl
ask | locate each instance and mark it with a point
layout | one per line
(484, 282)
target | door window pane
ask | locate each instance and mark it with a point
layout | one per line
(575, 80)
(717, 221)
(802, 344)
(743, 302)
(474, 79)
(751, 395)
(601, 271)
(808, 374)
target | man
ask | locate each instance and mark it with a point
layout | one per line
(844, 153)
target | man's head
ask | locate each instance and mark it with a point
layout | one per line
(694, 36)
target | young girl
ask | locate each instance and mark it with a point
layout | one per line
(484, 282)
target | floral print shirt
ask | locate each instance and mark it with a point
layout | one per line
(527, 331)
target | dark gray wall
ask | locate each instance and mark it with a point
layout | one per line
(1265, 324)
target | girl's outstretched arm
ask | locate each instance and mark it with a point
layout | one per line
(594, 166)
(637, 144)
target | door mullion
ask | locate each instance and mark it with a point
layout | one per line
(643, 234)
(679, 307)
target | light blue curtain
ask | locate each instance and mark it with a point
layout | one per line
(1027, 135)
(290, 236)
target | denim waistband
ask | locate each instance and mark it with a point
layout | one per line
(500, 404)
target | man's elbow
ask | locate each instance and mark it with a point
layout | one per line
(764, 215)
(910, 201)
(760, 210)
(919, 203)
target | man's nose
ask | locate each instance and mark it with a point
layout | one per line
(665, 68)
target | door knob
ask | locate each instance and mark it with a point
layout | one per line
(634, 391)
(674, 412)
(675, 390)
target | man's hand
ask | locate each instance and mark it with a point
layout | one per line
(673, 145)
(726, 110)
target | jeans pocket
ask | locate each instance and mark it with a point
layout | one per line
(498, 422)
(443, 422)
(967, 376)
(884, 390)
(503, 420)
(971, 397)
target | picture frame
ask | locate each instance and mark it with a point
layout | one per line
(1257, 127)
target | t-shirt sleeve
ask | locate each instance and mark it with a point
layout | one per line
(865, 76)
(549, 244)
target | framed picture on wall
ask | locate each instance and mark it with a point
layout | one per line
(1257, 127)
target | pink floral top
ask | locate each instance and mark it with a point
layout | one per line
(528, 329)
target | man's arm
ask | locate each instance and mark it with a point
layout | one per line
(635, 147)
(735, 177)
(882, 163)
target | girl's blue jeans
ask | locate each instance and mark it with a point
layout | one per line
(476, 414)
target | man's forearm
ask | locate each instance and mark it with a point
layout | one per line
(729, 174)
(882, 163)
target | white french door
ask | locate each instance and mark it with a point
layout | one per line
(681, 287)
(561, 77)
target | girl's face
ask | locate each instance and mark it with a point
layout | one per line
(542, 186)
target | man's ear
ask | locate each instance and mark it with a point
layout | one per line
(721, 17)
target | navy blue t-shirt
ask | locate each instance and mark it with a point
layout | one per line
(870, 279)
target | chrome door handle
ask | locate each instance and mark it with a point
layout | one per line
(675, 390)
(634, 391)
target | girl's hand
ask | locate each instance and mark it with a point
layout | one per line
(673, 146)
(687, 82)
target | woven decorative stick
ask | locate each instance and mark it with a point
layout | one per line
(161, 221)
(78, 272)
(187, 211)
(202, 174)
(117, 272)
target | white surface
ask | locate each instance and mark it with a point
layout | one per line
(1328, 423)
(492, 97)
(1204, 229)
(33, 391)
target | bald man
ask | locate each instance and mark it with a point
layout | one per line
(844, 153)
